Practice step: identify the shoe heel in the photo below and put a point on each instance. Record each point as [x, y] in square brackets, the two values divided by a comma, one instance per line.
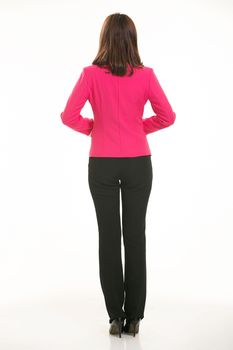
[135, 326]
[119, 327]
[134, 323]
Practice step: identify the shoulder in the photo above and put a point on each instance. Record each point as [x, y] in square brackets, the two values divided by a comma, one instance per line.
[146, 68]
[90, 69]
[146, 71]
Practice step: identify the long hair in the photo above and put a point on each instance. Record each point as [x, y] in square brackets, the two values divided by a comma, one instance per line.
[118, 48]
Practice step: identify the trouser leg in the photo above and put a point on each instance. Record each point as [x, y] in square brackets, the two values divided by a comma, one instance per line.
[105, 191]
[136, 184]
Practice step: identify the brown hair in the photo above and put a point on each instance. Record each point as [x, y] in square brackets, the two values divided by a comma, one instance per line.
[118, 47]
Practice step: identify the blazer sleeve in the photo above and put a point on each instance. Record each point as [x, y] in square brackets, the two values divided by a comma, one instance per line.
[165, 116]
[71, 115]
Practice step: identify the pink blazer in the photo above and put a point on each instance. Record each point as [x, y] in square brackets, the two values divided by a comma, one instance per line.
[118, 128]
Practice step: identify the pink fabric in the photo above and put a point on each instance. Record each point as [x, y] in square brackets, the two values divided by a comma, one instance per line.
[118, 128]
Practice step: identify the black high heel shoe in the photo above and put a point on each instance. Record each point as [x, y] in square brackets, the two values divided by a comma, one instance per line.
[132, 326]
[117, 326]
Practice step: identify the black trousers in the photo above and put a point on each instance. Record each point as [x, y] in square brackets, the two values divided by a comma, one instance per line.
[125, 295]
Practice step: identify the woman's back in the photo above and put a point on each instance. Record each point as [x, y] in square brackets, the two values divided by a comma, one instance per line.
[118, 128]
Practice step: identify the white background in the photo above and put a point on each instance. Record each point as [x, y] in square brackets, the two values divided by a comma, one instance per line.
[49, 236]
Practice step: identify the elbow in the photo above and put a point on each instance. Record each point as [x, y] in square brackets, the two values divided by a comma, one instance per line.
[62, 116]
[169, 120]
[172, 118]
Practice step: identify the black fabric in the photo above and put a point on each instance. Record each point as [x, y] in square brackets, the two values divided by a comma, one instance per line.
[128, 181]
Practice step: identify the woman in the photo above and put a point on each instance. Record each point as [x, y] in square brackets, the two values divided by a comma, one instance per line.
[118, 85]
